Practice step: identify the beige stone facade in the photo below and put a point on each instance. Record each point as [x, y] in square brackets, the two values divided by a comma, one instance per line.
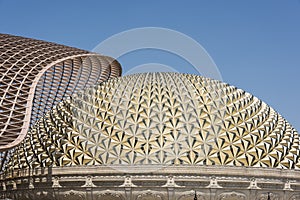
[142, 182]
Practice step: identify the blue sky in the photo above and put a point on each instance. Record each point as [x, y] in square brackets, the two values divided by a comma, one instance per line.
[255, 44]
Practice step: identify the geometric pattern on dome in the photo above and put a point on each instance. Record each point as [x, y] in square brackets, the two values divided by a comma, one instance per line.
[35, 75]
[160, 118]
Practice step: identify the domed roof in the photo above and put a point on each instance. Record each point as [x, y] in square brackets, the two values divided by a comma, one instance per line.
[161, 118]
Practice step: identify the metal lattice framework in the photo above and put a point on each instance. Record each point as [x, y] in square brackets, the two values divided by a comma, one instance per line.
[160, 118]
[35, 75]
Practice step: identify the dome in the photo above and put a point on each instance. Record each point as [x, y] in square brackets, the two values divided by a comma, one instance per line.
[160, 119]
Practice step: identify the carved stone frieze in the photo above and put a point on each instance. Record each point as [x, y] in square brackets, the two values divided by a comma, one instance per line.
[231, 196]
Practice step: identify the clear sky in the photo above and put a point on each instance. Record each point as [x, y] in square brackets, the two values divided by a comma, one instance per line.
[255, 44]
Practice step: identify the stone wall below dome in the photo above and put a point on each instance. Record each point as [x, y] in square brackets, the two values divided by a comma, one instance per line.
[169, 183]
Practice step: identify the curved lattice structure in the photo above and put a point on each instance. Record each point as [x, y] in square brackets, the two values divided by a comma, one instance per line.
[35, 75]
[160, 119]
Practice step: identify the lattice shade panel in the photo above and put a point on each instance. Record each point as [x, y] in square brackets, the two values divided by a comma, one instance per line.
[35, 75]
[160, 118]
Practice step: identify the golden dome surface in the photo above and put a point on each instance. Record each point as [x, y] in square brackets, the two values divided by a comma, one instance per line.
[164, 119]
